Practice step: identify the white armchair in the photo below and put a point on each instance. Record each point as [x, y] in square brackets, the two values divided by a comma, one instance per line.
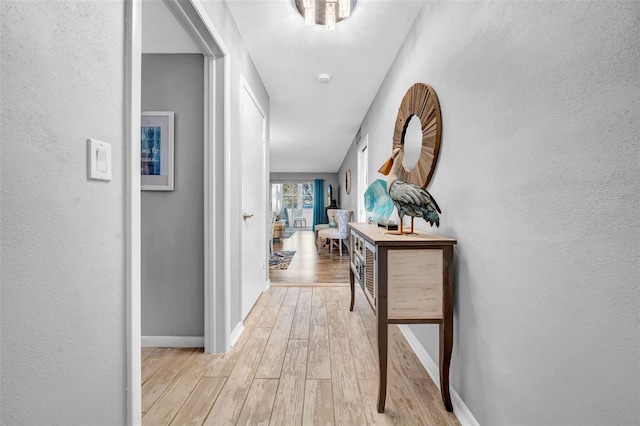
[331, 213]
[336, 235]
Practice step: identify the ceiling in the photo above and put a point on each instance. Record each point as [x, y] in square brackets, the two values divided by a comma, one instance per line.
[313, 124]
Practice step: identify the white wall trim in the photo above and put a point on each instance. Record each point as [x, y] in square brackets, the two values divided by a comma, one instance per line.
[460, 409]
[237, 332]
[172, 341]
[133, 257]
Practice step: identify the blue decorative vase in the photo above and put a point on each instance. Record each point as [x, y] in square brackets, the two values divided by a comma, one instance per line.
[377, 201]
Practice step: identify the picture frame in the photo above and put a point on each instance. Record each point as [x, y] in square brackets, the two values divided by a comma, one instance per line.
[157, 150]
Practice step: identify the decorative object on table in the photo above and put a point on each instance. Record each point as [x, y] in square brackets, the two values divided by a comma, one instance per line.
[332, 222]
[156, 150]
[280, 259]
[377, 202]
[409, 199]
[389, 225]
[406, 186]
[419, 103]
[347, 181]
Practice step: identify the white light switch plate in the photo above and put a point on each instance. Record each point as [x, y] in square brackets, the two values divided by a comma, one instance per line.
[99, 156]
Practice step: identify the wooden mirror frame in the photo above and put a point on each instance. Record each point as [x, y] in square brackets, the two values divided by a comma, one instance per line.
[420, 100]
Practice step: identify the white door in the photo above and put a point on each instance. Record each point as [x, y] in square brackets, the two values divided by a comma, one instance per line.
[254, 206]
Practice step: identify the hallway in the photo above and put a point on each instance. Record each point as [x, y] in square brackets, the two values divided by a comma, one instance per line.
[303, 358]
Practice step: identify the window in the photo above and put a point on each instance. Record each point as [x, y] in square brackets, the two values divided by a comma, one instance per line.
[295, 195]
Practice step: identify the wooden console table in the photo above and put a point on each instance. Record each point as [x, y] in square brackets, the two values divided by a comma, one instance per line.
[407, 279]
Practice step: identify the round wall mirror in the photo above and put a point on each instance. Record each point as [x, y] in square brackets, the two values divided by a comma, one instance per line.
[412, 143]
[420, 104]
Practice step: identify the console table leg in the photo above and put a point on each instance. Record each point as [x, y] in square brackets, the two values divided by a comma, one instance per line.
[382, 320]
[353, 289]
[446, 345]
[383, 337]
[446, 329]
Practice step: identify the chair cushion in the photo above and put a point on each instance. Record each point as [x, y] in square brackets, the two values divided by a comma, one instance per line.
[333, 233]
[321, 226]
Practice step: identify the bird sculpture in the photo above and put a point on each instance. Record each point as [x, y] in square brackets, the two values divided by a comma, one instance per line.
[409, 199]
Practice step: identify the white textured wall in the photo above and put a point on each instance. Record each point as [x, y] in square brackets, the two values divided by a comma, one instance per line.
[539, 180]
[63, 285]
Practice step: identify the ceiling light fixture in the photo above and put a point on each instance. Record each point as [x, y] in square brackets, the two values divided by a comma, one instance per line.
[324, 12]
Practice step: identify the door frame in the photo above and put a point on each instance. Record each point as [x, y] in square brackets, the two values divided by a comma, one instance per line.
[217, 159]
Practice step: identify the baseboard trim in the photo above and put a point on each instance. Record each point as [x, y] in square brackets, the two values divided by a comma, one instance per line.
[236, 333]
[173, 341]
[460, 409]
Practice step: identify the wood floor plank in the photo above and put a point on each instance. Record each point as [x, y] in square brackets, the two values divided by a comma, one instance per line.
[197, 406]
[277, 295]
[154, 362]
[318, 360]
[229, 403]
[402, 356]
[336, 315]
[291, 298]
[268, 316]
[274, 353]
[319, 297]
[363, 354]
[431, 409]
[347, 402]
[158, 383]
[259, 402]
[147, 354]
[318, 403]
[369, 392]
[302, 318]
[367, 315]
[163, 411]
[289, 403]
[252, 319]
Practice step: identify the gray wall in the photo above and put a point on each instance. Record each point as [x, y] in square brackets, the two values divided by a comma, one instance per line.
[62, 356]
[349, 201]
[539, 181]
[172, 221]
[329, 179]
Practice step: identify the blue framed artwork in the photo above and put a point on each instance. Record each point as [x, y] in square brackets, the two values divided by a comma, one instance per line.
[156, 151]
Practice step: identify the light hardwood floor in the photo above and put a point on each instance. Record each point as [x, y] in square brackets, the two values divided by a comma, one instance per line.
[303, 358]
[308, 266]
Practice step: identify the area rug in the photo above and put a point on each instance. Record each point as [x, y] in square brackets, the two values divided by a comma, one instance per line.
[288, 232]
[280, 259]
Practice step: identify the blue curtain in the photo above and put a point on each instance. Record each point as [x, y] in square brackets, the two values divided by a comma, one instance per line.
[318, 202]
